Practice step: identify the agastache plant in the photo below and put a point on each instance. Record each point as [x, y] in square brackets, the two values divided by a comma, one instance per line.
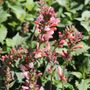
[46, 24]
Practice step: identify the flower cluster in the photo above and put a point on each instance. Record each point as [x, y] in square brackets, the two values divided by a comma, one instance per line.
[31, 76]
[70, 38]
[46, 23]
[14, 54]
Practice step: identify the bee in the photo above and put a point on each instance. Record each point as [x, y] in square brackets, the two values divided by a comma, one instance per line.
[71, 29]
[25, 27]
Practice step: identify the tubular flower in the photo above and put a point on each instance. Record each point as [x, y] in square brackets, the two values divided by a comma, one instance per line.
[46, 23]
[61, 74]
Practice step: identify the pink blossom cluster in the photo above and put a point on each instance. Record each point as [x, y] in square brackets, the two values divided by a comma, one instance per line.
[15, 54]
[31, 76]
[46, 23]
[70, 38]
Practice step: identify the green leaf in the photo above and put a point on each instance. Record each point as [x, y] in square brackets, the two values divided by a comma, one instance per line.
[11, 84]
[9, 42]
[18, 11]
[85, 20]
[59, 50]
[49, 1]
[86, 25]
[87, 1]
[80, 50]
[77, 74]
[19, 76]
[33, 44]
[29, 4]
[3, 33]
[3, 15]
[13, 24]
[85, 67]
[29, 17]
[83, 85]
[69, 86]
[62, 2]
[17, 40]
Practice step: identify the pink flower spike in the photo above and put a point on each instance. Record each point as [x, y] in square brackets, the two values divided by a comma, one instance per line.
[60, 74]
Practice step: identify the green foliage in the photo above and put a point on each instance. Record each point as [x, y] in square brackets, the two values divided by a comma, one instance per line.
[77, 74]
[3, 33]
[3, 15]
[29, 4]
[82, 50]
[15, 41]
[83, 85]
[85, 20]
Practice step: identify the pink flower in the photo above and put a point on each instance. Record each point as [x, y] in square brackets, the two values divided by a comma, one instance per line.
[54, 21]
[78, 46]
[25, 88]
[31, 65]
[61, 43]
[49, 70]
[64, 54]
[60, 74]
[47, 28]
[47, 48]
[38, 54]
[40, 18]
[3, 58]
[26, 74]
[23, 68]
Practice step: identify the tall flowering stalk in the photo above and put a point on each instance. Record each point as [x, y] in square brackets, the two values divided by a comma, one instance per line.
[46, 23]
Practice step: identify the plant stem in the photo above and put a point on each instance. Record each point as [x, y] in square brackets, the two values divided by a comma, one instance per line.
[33, 35]
[51, 83]
[62, 85]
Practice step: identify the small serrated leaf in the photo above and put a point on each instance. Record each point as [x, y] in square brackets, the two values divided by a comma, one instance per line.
[87, 1]
[3, 15]
[77, 74]
[80, 50]
[3, 33]
[84, 85]
[29, 4]
[17, 40]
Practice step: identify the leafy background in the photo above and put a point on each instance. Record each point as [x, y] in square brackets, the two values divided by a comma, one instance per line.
[15, 13]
